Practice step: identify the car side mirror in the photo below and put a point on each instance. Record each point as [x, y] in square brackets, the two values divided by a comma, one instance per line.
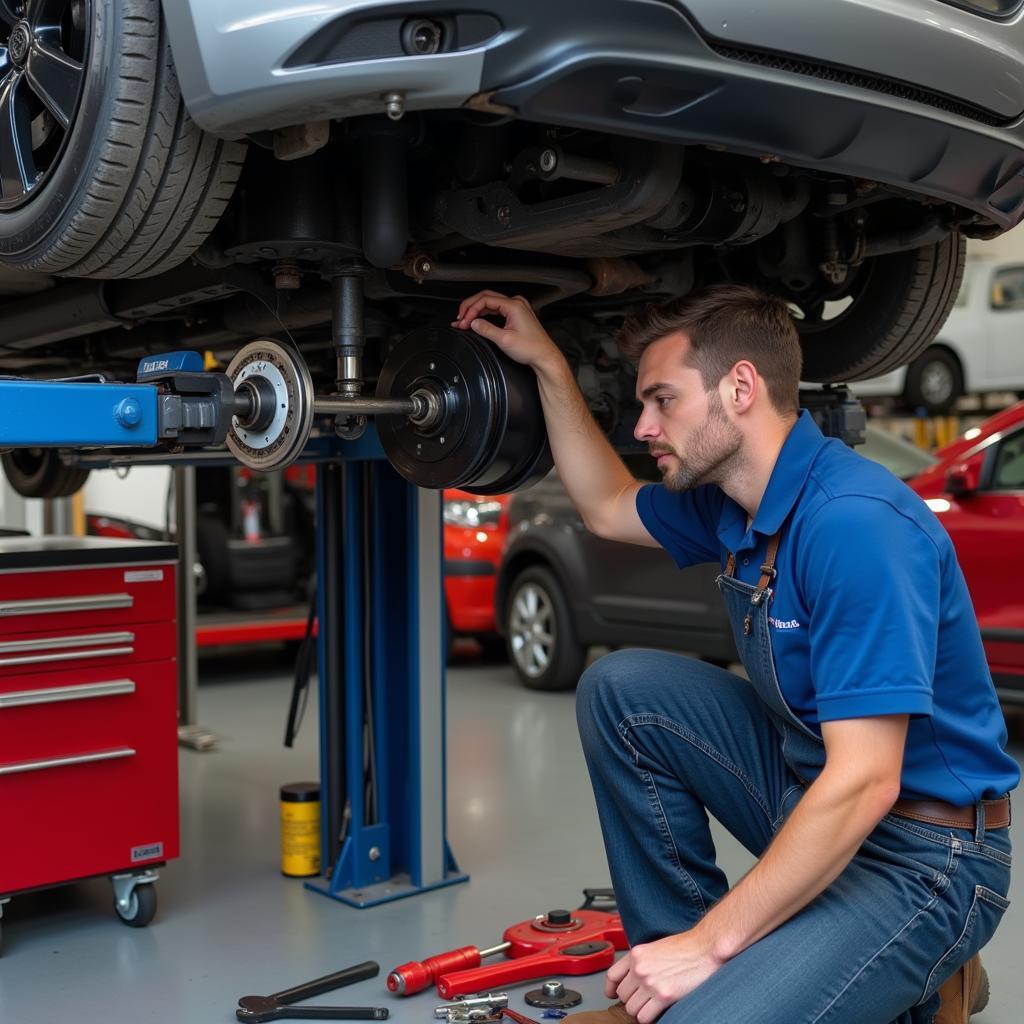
[963, 479]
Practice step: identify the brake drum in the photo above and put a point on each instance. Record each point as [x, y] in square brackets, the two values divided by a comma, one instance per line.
[486, 434]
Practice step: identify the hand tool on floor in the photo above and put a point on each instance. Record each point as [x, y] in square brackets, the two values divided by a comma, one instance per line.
[487, 1001]
[519, 1018]
[559, 942]
[255, 1009]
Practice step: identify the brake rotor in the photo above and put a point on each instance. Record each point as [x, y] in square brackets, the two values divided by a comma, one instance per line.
[487, 435]
[282, 396]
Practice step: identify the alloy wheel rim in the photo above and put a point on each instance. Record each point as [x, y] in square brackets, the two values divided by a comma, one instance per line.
[43, 50]
[532, 629]
[936, 382]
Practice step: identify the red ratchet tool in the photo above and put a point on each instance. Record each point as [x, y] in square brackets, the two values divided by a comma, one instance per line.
[559, 942]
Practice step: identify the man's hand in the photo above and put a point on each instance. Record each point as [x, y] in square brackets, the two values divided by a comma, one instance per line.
[522, 338]
[654, 975]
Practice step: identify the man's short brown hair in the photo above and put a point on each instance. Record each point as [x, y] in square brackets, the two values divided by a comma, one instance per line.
[724, 324]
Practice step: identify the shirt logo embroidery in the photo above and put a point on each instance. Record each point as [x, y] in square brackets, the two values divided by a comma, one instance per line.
[784, 623]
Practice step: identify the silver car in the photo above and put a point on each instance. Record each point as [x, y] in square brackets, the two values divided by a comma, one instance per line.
[197, 173]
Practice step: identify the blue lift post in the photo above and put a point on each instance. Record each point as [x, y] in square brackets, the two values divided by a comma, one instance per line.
[381, 665]
[380, 641]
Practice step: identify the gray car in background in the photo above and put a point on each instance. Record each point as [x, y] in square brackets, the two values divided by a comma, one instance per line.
[562, 590]
[196, 174]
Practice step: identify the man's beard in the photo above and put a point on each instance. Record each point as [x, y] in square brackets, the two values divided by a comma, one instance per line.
[711, 453]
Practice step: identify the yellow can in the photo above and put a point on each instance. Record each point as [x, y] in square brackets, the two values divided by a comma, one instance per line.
[300, 829]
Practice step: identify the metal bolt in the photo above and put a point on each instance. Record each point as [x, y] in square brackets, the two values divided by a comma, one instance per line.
[548, 161]
[423, 266]
[128, 412]
[504, 214]
[553, 989]
[431, 365]
[374, 853]
[441, 439]
[287, 276]
[394, 104]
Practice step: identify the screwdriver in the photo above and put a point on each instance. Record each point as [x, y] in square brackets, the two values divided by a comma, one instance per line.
[417, 975]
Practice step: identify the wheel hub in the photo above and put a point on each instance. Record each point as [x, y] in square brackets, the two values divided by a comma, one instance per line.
[20, 43]
[936, 382]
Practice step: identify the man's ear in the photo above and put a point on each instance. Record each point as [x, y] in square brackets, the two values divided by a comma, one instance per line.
[743, 384]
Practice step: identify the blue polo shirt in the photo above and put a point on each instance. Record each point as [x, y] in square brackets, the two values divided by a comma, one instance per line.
[870, 613]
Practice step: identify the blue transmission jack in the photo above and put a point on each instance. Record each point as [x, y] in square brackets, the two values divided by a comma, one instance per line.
[173, 403]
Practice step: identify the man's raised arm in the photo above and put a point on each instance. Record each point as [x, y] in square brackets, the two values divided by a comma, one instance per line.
[600, 486]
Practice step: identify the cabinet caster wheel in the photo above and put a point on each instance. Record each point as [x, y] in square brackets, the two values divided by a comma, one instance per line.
[141, 906]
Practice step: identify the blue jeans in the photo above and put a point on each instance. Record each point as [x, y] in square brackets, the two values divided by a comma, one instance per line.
[669, 739]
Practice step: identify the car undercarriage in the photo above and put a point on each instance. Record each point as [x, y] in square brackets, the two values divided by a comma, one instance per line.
[132, 225]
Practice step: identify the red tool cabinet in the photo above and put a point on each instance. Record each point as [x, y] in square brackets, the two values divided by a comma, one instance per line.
[88, 715]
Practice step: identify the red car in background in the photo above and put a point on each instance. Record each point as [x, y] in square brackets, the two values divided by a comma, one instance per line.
[474, 535]
[977, 490]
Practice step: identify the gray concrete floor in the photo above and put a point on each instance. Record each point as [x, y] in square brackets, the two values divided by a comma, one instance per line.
[521, 822]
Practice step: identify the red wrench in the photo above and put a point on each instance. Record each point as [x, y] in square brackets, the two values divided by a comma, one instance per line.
[559, 942]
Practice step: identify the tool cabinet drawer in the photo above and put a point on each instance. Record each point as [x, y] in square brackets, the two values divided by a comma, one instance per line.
[73, 649]
[49, 715]
[88, 773]
[82, 598]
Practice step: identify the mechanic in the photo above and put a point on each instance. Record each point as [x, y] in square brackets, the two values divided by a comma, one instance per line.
[863, 763]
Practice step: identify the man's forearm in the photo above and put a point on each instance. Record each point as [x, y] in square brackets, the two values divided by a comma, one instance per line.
[593, 474]
[812, 848]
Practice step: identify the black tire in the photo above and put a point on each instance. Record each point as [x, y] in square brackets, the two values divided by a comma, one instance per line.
[561, 668]
[900, 301]
[212, 549]
[39, 473]
[492, 647]
[935, 381]
[141, 906]
[134, 186]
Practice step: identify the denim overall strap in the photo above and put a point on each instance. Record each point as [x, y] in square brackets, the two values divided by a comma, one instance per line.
[748, 607]
[767, 575]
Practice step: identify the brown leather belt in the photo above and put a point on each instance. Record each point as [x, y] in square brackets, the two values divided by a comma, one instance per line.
[937, 812]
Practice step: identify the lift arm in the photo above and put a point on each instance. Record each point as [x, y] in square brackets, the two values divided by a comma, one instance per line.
[173, 403]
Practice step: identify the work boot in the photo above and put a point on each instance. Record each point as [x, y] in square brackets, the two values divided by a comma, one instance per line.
[615, 1014]
[962, 995]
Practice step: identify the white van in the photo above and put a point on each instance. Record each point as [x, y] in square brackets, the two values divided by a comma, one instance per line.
[980, 348]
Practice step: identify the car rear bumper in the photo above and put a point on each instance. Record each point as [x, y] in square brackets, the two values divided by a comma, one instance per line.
[644, 68]
[470, 598]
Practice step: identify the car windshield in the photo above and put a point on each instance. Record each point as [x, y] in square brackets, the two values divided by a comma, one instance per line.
[900, 457]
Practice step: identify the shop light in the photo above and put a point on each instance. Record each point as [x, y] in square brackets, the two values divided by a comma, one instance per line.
[472, 515]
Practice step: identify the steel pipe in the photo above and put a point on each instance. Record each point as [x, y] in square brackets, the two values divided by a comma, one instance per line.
[338, 405]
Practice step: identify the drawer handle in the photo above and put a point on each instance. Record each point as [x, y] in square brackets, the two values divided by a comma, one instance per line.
[44, 659]
[49, 643]
[60, 694]
[18, 767]
[53, 605]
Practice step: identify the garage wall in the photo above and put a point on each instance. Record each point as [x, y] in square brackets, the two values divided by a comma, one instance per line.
[18, 513]
[1008, 246]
